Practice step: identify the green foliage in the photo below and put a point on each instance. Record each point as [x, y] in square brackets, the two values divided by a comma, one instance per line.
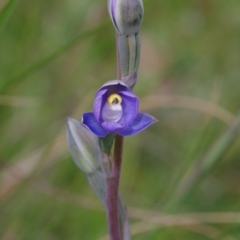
[106, 143]
[56, 54]
[6, 12]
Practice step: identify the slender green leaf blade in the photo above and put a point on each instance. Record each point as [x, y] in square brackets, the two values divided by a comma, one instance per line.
[6, 12]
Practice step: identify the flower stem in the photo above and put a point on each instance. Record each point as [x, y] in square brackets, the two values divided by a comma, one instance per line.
[112, 191]
[114, 178]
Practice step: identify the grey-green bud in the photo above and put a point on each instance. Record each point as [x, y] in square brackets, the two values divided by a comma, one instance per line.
[83, 146]
[126, 15]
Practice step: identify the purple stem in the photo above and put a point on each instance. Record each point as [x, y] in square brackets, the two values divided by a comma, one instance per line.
[113, 179]
[112, 191]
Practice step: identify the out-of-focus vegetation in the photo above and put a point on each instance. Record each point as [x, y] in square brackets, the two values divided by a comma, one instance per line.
[180, 177]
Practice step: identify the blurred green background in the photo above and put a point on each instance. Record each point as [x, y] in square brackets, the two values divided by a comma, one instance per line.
[180, 177]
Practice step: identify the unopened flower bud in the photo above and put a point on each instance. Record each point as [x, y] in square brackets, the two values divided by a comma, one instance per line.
[83, 147]
[126, 15]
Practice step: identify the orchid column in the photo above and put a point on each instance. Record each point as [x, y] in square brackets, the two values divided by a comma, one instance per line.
[115, 115]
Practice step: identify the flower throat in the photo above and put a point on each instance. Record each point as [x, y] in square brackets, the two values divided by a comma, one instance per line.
[114, 99]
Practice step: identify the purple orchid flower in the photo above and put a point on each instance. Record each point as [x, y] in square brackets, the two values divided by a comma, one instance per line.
[115, 110]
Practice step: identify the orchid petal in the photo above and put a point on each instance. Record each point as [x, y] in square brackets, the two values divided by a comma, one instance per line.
[112, 126]
[120, 85]
[90, 122]
[142, 121]
[130, 106]
[99, 102]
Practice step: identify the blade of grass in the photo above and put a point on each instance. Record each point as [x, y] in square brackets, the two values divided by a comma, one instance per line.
[6, 12]
[46, 60]
[203, 166]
